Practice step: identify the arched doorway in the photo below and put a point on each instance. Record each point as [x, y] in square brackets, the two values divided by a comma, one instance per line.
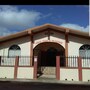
[47, 53]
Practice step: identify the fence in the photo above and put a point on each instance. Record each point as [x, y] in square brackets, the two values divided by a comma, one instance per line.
[7, 61]
[86, 62]
[27, 61]
[73, 61]
[10, 61]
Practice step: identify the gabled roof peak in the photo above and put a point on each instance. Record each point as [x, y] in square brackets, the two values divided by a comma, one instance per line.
[45, 26]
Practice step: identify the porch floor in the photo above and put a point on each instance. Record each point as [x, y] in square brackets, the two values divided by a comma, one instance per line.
[47, 77]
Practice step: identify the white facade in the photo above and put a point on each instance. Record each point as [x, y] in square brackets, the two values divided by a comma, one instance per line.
[56, 37]
[6, 72]
[74, 43]
[25, 72]
[69, 74]
[23, 43]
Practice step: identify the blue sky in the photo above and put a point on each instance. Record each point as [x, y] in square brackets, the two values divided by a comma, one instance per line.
[15, 18]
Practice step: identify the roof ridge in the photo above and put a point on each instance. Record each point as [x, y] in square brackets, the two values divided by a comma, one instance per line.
[44, 26]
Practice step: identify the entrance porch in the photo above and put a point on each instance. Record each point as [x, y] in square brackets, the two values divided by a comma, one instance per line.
[46, 63]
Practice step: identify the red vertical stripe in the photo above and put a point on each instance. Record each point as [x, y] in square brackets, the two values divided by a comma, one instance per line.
[80, 68]
[35, 67]
[58, 67]
[16, 67]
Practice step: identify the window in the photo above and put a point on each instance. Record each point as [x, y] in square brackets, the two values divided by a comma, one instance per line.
[84, 50]
[14, 50]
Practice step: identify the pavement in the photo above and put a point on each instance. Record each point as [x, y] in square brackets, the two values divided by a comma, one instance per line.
[46, 80]
[42, 84]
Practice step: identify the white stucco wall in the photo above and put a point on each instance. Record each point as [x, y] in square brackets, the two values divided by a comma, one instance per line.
[23, 42]
[85, 74]
[55, 37]
[25, 72]
[73, 46]
[75, 43]
[69, 74]
[39, 38]
[6, 72]
[59, 38]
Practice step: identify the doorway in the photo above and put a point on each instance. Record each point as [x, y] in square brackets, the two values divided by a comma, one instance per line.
[47, 53]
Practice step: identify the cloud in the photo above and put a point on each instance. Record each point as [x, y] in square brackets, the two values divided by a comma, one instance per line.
[48, 15]
[3, 31]
[12, 18]
[76, 26]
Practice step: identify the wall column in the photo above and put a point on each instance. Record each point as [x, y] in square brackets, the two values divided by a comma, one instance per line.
[31, 50]
[16, 67]
[58, 67]
[66, 47]
[80, 68]
[35, 66]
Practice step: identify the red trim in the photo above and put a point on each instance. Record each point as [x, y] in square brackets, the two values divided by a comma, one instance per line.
[16, 67]
[69, 67]
[31, 59]
[66, 48]
[13, 66]
[45, 30]
[58, 67]
[31, 50]
[80, 36]
[6, 66]
[80, 68]
[25, 66]
[61, 32]
[85, 68]
[35, 67]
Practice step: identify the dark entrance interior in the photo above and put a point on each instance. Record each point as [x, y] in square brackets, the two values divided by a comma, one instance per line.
[47, 53]
[48, 58]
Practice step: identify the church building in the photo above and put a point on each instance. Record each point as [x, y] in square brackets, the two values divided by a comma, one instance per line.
[46, 51]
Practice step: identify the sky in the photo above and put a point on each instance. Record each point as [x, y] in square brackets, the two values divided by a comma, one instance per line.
[16, 18]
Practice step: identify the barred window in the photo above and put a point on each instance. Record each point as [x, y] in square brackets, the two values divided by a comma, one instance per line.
[14, 50]
[84, 50]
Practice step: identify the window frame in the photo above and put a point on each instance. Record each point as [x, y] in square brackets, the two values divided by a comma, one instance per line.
[14, 48]
[84, 48]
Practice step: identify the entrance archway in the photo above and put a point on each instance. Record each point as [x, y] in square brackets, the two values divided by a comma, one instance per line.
[47, 53]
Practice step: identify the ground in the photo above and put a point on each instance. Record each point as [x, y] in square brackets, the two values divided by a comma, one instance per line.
[8, 85]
